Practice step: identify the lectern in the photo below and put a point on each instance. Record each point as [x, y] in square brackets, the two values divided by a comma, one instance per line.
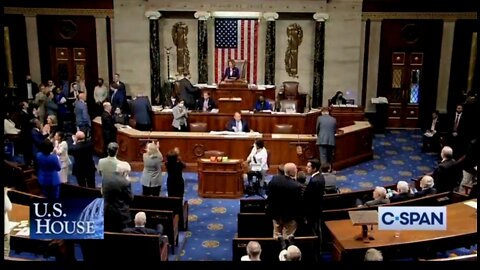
[364, 218]
[220, 179]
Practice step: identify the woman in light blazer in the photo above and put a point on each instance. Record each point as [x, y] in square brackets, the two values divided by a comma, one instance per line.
[61, 149]
[257, 160]
[152, 170]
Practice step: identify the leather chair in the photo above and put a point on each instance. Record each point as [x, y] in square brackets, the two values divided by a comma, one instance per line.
[290, 90]
[213, 153]
[283, 129]
[198, 127]
[241, 65]
[288, 104]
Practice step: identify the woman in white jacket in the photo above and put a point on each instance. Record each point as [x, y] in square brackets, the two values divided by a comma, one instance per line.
[61, 149]
[257, 160]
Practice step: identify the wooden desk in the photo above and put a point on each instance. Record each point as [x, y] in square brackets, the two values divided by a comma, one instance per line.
[461, 231]
[220, 179]
[302, 123]
[234, 90]
[353, 146]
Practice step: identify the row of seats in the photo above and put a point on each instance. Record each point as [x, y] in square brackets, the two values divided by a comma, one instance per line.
[278, 128]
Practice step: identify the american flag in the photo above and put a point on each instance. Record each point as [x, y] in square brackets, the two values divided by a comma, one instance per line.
[236, 39]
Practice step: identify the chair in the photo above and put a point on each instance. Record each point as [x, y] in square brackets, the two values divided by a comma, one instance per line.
[241, 65]
[213, 153]
[198, 127]
[283, 129]
[288, 105]
[290, 90]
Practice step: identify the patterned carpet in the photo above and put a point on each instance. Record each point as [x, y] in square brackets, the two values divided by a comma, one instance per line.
[212, 222]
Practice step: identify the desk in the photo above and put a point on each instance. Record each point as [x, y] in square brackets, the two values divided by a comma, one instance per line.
[239, 90]
[220, 179]
[354, 145]
[303, 123]
[461, 231]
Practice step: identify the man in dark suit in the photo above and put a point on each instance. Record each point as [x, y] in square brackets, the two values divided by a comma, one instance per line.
[457, 127]
[326, 128]
[206, 104]
[83, 166]
[28, 89]
[231, 72]
[140, 221]
[448, 174]
[188, 92]
[313, 200]
[142, 112]
[237, 124]
[25, 133]
[172, 101]
[402, 193]
[284, 203]
[117, 193]
[431, 137]
[108, 126]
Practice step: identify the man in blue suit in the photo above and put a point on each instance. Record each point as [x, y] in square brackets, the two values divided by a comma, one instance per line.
[118, 94]
[326, 127]
[231, 72]
[142, 111]
[237, 124]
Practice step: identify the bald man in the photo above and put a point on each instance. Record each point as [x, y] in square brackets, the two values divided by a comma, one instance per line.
[82, 118]
[83, 165]
[284, 203]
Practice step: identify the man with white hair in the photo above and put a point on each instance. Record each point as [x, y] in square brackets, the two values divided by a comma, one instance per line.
[292, 253]
[140, 221]
[402, 193]
[373, 255]
[426, 183]
[284, 203]
[83, 165]
[253, 252]
[379, 197]
[448, 174]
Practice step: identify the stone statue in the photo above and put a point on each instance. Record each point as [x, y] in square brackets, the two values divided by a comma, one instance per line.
[179, 36]
[294, 39]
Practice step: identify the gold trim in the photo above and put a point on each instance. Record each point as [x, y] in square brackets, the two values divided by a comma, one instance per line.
[59, 11]
[378, 16]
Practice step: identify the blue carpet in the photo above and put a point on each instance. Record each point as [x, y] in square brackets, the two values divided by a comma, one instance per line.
[213, 223]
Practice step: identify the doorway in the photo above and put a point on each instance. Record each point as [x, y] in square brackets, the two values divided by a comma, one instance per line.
[405, 89]
[67, 63]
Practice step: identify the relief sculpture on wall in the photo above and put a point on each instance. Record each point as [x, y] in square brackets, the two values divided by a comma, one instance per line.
[179, 36]
[294, 38]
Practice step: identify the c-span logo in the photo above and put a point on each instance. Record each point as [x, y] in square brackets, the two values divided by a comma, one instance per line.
[430, 218]
[67, 219]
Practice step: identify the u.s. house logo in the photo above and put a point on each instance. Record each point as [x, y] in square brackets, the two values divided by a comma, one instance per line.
[67, 219]
[412, 218]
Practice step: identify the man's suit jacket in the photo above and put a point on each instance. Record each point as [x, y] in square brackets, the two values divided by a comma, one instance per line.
[462, 124]
[118, 99]
[326, 128]
[82, 153]
[284, 198]
[425, 192]
[447, 175]
[24, 90]
[140, 230]
[117, 193]
[108, 127]
[233, 123]
[401, 197]
[142, 110]
[211, 104]
[313, 196]
[169, 103]
[235, 73]
[188, 92]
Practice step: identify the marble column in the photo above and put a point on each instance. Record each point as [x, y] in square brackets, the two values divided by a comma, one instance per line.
[32, 44]
[202, 17]
[445, 65]
[156, 96]
[373, 61]
[270, 17]
[318, 60]
[102, 47]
